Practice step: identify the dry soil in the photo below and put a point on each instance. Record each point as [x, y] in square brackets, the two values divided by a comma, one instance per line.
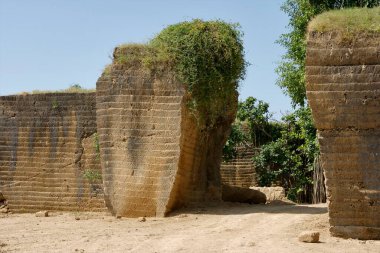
[222, 228]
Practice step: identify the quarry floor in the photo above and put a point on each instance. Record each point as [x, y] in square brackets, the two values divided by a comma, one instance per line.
[223, 228]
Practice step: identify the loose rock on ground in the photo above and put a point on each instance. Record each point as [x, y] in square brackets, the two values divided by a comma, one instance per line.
[309, 236]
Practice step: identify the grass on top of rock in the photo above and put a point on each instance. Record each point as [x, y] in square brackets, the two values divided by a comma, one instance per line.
[76, 88]
[348, 22]
[207, 56]
[136, 54]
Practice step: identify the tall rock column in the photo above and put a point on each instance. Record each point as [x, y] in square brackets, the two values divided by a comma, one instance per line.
[154, 156]
[343, 90]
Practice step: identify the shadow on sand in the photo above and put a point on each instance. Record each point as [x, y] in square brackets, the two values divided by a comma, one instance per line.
[228, 208]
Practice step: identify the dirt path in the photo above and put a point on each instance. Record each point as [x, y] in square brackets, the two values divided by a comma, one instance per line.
[227, 228]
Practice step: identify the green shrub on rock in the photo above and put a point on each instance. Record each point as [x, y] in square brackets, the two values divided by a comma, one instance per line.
[207, 56]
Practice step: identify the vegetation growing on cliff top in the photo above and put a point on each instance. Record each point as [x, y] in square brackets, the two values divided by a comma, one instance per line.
[207, 56]
[75, 88]
[204, 52]
[348, 21]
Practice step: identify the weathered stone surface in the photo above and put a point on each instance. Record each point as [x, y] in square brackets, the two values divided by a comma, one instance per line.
[4, 209]
[141, 219]
[154, 156]
[42, 214]
[271, 193]
[357, 232]
[242, 195]
[309, 236]
[46, 143]
[240, 170]
[343, 90]
[2, 199]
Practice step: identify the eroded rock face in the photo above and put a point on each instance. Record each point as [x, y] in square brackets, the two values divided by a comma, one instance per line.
[343, 90]
[154, 156]
[240, 170]
[46, 145]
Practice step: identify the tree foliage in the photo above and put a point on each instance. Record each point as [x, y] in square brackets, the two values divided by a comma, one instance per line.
[207, 56]
[237, 137]
[256, 113]
[291, 69]
[204, 52]
[287, 148]
[259, 128]
[288, 160]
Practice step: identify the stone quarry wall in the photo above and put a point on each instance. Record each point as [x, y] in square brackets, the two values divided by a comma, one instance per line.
[154, 157]
[343, 90]
[46, 147]
[240, 170]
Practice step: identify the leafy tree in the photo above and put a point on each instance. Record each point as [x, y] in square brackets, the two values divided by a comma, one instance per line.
[287, 148]
[256, 114]
[76, 86]
[291, 69]
[261, 129]
[336, 4]
[237, 137]
[288, 161]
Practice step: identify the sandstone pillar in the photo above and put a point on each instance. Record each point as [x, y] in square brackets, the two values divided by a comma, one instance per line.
[343, 90]
[154, 155]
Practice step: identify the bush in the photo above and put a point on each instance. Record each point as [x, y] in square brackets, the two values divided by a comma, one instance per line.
[260, 129]
[207, 56]
[92, 175]
[288, 161]
[205, 53]
[236, 138]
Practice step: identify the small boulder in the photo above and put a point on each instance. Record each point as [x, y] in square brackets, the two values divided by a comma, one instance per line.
[4, 209]
[141, 219]
[42, 214]
[272, 193]
[309, 236]
[242, 195]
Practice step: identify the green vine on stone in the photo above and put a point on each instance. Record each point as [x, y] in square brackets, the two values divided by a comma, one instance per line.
[92, 175]
[207, 56]
[55, 104]
[96, 145]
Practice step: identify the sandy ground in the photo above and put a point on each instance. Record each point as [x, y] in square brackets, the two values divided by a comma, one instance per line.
[224, 228]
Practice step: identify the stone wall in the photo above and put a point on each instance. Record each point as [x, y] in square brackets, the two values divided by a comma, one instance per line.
[240, 170]
[154, 156]
[47, 144]
[343, 90]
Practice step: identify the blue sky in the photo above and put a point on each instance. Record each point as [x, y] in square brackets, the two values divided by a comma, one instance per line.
[51, 44]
